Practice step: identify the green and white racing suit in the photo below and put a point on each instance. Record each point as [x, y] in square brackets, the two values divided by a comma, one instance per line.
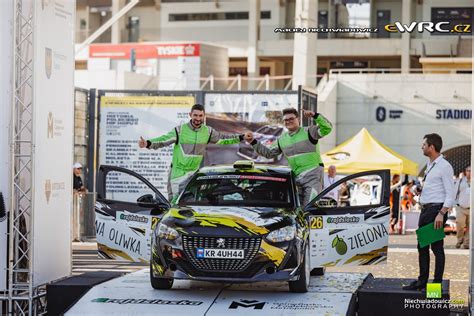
[301, 149]
[188, 152]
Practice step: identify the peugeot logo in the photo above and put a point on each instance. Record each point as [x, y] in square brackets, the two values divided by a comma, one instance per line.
[221, 243]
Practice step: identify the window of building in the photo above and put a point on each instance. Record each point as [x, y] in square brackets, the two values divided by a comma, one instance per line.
[212, 16]
[83, 24]
[133, 29]
[323, 22]
[383, 18]
[234, 71]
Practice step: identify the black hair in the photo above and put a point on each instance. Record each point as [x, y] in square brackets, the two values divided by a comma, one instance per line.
[435, 140]
[290, 111]
[198, 107]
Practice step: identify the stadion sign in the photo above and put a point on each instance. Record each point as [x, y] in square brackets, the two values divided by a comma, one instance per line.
[144, 51]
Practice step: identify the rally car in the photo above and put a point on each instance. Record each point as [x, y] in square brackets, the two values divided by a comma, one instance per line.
[238, 223]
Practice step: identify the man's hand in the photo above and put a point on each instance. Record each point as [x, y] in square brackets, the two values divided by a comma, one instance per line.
[307, 113]
[248, 137]
[142, 142]
[438, 223]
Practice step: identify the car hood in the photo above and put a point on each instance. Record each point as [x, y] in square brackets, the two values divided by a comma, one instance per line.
[230, 221]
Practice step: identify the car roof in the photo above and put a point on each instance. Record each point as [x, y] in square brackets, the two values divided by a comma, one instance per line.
[259, 168]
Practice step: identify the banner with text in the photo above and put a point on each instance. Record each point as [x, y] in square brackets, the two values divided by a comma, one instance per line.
[259, 113]
[53, 119]
[124, 119]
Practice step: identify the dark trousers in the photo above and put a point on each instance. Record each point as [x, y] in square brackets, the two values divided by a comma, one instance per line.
[428, 215]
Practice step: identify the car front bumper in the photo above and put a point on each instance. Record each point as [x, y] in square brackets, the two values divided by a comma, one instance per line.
[169, 260]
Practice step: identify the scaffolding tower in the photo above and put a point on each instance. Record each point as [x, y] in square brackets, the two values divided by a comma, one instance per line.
[22, 297]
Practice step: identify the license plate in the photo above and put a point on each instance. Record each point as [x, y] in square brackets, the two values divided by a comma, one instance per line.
[212, 253]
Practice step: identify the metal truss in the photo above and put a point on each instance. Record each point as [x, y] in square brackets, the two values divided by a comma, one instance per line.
[22, 298]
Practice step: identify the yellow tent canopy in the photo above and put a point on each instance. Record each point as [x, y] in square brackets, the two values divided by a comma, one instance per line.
[363, 152]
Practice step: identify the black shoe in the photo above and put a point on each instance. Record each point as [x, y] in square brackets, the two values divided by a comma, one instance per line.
[414, 286]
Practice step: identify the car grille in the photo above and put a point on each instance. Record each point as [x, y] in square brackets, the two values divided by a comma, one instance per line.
[250, 245]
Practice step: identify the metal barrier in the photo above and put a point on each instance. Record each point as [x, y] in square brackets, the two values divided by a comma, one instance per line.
[83, 217]
[435, 71]
[239, 83]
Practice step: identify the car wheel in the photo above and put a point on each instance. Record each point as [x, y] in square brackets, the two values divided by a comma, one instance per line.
[160, 283]
[302, 284]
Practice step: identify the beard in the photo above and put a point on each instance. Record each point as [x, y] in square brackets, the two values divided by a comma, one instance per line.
[196, 123]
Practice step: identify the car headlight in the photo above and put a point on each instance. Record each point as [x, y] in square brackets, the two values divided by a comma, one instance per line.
[283, 234]
[167, 232]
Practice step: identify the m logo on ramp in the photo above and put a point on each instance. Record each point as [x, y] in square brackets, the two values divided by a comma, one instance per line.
[246, 304]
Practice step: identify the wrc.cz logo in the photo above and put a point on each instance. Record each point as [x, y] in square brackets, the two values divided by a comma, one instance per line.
[247, 303]
[428, 26]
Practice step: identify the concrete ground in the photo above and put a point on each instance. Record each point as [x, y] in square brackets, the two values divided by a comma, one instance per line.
[402, 263]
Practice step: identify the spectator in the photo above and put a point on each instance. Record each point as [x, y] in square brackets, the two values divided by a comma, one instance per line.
[408, 201]
[77, 185]
[463, 208]
[329, 179]
[394, 201]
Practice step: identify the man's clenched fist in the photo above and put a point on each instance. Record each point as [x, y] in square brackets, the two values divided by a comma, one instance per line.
[142, 142]
[248, 137]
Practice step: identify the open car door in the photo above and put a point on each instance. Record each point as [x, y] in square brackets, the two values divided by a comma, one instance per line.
[127, 209]
[349, 221]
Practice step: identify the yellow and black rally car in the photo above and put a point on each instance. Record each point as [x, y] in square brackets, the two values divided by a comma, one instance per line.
[242, 223]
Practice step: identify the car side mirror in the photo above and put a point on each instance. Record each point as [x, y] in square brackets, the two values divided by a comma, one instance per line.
[146, 199]
[326, 202]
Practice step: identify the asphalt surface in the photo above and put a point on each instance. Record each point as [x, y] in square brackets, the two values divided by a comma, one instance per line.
[402, 263]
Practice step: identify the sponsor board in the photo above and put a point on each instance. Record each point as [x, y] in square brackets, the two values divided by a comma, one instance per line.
[53, 137]
[241, 112]
[123, 121]
[348, 240]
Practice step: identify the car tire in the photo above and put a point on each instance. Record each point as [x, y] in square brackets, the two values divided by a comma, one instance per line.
[302, 284]
[160, 283]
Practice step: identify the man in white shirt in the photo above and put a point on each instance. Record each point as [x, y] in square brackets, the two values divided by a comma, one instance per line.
[329, 179]
[463, 208]
[436, 199]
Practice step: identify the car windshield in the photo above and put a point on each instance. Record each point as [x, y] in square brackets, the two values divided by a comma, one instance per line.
[238, 190]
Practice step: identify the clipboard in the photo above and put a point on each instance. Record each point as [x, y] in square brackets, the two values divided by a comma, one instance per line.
[426, 235]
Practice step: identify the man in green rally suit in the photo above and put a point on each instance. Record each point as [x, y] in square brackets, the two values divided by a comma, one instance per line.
[301, 149]
[190, 141]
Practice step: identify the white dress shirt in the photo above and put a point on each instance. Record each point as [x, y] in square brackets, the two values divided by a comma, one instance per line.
[328, 181]
[463, 193]
[438, 185]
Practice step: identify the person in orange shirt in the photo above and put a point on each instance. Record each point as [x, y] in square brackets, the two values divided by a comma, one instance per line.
[408, 201]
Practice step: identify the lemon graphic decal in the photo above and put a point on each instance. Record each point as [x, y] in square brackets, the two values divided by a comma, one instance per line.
[340, 245]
